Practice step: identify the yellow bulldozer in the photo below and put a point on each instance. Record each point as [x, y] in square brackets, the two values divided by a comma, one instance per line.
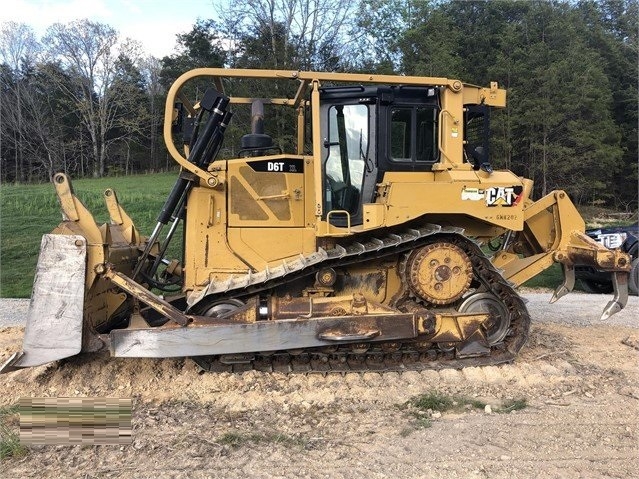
[359, 243]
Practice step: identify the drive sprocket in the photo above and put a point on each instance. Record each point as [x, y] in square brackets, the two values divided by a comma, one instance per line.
[439, 273]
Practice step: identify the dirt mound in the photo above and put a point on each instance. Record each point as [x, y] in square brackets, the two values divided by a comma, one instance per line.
[579, 386]
[548, 362]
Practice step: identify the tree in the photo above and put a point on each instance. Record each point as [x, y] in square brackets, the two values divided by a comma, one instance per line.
[610, 27]
[289, 34]
[131, 120]
[432, 47]
[380, 25]
[43, 139]
[88, 52]
[151, 69]
[199, 48]
[18, 47]
[566, 134]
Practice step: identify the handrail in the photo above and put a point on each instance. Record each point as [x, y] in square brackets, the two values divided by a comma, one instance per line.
[328, 221]
[304, 77]
[440, 139]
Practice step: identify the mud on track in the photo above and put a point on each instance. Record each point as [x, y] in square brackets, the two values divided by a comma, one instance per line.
[579, 378]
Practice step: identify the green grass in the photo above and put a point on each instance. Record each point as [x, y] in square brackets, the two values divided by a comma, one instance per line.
[29, 211]
[420, 408]
[435, 401]
[423, 422]
[9, 440]
[432, 400]
[513, 405]
[550, 278]
[238, 439]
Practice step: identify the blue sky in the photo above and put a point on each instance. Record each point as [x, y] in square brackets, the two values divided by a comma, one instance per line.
[152, 22]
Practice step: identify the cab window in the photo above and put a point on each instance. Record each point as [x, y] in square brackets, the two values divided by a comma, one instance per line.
[413, 134]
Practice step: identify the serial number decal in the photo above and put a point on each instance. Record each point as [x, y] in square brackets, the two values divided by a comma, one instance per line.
[278, 166]
[506, 217]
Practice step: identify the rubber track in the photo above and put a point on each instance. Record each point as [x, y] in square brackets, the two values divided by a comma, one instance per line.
[342, 359]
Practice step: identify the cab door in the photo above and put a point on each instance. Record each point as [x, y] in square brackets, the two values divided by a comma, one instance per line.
[348, 167]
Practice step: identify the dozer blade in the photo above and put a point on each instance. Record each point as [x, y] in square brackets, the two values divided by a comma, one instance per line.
[54, 324]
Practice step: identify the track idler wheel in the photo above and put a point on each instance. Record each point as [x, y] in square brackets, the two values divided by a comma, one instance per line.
[498, 324]
[439, 273]
[220, 309]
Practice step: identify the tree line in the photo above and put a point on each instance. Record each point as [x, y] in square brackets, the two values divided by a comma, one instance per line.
[86, 101]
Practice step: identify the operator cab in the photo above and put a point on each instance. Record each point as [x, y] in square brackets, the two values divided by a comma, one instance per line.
[367, 131]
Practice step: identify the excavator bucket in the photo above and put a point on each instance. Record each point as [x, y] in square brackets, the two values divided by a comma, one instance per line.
[54, 329]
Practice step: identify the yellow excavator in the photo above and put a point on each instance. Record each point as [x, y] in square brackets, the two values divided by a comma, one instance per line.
[356, 239]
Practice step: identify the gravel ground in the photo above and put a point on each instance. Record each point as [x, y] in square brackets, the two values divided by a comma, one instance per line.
[577, 376]
[570, 309]
[13, 312]
[579, 384]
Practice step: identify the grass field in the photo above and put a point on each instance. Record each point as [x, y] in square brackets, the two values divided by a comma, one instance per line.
[29, 211]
